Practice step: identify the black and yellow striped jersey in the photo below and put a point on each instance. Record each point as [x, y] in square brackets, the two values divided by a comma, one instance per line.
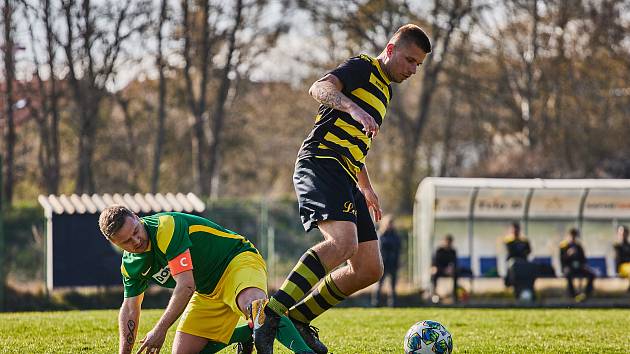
[336, 134]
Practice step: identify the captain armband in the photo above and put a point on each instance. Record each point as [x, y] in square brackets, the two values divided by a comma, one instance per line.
[181, 263]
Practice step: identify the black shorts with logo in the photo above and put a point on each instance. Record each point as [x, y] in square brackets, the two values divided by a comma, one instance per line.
[326, 192]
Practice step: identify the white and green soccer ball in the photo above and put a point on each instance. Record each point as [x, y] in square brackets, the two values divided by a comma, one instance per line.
[428, 337]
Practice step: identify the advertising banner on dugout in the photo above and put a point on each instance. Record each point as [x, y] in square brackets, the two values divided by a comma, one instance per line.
[503, 203]
[607, 204]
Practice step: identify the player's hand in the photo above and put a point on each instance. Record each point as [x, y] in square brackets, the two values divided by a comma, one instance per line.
[153, 341]
[372, 201]
[370, 127]
[450, 269]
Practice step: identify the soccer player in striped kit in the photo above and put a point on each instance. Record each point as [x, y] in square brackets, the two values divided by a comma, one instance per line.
[334, 190]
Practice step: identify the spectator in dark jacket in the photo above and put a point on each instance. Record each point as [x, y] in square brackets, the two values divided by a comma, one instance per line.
[521, 274]
[444, 264]
[390, 245]
[622, 253]
[516, 244]
[574, 265]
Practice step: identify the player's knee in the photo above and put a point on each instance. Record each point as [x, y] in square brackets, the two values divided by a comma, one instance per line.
[376, 273]
[187, 344]
[369, 273]
[372, 276]
[346, 247]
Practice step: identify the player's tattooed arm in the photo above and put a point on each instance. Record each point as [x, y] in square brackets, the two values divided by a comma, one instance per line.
[327, 94]
[327, 91]
[128, 320]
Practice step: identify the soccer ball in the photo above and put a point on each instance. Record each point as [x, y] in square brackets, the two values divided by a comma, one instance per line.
[428, 337]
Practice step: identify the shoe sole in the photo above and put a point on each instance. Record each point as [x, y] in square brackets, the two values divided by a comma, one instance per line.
[257, 313]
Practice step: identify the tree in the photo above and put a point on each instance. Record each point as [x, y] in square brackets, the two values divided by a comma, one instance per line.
[92, 53]
[197, 103]
[159, 137]
[523, 75]
[455, 82]
[233, 45]
[217, 119]
[45, 105]
[9, 72]
[447, 19]
[131, 140]
[249, 38]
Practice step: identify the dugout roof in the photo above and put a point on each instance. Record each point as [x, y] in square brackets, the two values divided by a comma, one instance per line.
[138, 203]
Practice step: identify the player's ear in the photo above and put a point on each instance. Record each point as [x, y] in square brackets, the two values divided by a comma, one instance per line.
[389, 49]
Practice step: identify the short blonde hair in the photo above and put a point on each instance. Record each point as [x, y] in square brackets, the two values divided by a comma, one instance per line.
[411, 33]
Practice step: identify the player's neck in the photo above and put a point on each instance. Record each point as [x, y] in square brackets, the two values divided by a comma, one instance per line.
[382, 61]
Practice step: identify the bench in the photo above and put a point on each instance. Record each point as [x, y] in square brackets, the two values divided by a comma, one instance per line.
[598, 264]
[488, 267]
[545, 268]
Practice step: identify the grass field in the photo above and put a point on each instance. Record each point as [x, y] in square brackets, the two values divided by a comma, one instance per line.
[355, 330]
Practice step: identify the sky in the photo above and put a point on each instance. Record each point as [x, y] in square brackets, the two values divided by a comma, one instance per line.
[279, 63]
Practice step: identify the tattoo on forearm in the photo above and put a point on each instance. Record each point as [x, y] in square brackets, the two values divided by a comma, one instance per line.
[327, 95]
[191, 290]
[131, 325]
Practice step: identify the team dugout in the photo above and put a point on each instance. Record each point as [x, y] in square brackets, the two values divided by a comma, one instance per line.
[76, 252]
[478, 212]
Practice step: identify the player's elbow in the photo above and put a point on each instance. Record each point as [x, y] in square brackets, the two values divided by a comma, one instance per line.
[188, 288]
[327, 83]
[313, 89]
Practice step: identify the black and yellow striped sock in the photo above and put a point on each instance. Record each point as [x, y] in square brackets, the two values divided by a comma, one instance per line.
[319, 300]
[306, 273]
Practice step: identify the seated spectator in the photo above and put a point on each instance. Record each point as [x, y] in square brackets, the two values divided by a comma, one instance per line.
[521, 274]
[622, 253]
[573, 262]
[516, 244]
[444, 264]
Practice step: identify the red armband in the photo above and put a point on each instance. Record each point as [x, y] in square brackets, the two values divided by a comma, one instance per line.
[181, 263]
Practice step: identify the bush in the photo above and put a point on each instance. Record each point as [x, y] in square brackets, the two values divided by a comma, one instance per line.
[25, 242]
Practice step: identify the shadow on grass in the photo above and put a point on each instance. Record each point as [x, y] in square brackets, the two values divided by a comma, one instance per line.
[78, 299]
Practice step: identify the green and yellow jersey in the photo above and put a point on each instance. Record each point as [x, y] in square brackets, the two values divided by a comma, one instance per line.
[212, 247]
[336, 134]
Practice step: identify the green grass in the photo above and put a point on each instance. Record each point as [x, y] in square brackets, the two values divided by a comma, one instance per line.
[354, 330]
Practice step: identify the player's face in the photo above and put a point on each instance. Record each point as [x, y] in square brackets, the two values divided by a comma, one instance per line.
[404, 60]
[132, 237]
[622, 234]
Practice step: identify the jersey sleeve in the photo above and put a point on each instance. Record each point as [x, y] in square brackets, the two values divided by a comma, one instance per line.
[172, 236]
[353, 73]
[134, 287]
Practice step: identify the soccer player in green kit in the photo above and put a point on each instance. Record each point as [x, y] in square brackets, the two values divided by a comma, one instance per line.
[216, 275]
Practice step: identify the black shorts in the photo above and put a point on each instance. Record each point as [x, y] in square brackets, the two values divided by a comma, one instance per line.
[326, 192]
